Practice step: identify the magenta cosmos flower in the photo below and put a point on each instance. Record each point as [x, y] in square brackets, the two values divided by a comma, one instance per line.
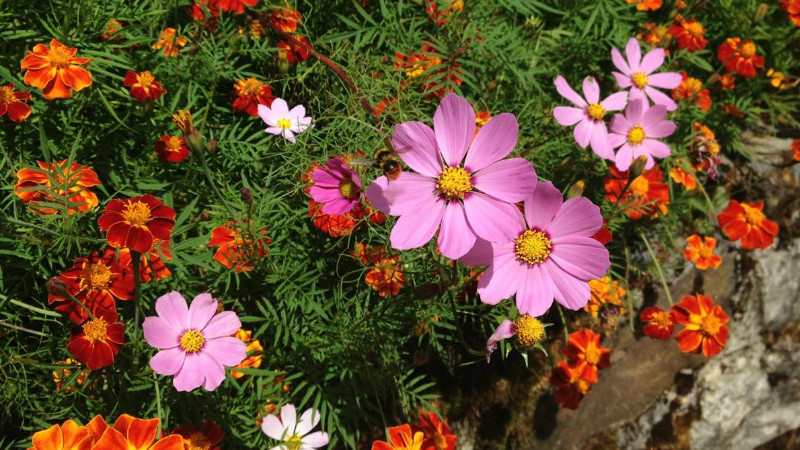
[553, 256]
[283, 121]
[195, 343]
[637, 73]
[337, 187]
[294, 434]
[464, 188]
[589, 114]
[634, 134]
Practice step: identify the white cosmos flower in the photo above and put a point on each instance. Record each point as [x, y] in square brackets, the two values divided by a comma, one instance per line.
[294, 434]
[283, 121]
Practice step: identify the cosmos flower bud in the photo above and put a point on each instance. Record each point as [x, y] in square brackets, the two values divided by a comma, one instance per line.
[638, 166]
[761, 12]
[576, 189]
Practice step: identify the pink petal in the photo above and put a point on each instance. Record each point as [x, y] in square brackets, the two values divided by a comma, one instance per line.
[571, 292]
[620, 124]
[652, 116]
[481, 254]
[637, 94]
[289, 417]
[657, 148]
[228, 351]
[289, 136]
[322, 194]
[160, 333]
[201, 310]
[582, 257]
[616, 101]
[652, 61]
[266, 114]
[494, 141]
[583, 133]
[326, 178]
[415, 144]
[297, 112]
[339, 206]
[577, 216]
[316, 439]
[660, 129]
[615, 140]
[454, 126]
[279, 107]
[620, 63]
[624, 158]
[406, 193]
[172, 308]
[272, 427]
[567, 92]
[214, 372]
[168, 362]
[624, 81]
[455, 235]
[223, 324]
[503, 277]
[510, 180]
[415, 228]
[635, 110]
[308, 421]
[600, 143]
[535, 296]
[191, 375]
[591, 90]
[660, 98]
[541, 207]
[504, 331]
[376, 194]
[634, 54]
[665, 80]
[492, 219]
[568, 116]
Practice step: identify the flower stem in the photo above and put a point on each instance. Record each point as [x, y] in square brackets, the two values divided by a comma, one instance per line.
[658, 268]
[563, 323]
[137, 283]
[460, 332]
[81, 305]
[158, 403]
[18, 328]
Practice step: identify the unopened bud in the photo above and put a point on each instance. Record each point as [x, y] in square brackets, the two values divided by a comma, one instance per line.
[57, 287]
[576, 190]
[638, 167]
[714, 78]
[204, 216]
[283, 61]
[385, 59]
[247, 195]
[212, 146]
[761, 12]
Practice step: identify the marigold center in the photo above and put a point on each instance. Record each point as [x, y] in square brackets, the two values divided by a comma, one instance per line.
[293, 442]
[439, 442]
[532, 247]
[661, 319]
[197, 441]
[349, 189]
[639, 80]
[639, 186]
[96, 330]
[251, 86]
[174, 144]
[696, 29]
[710, 325]
[753, 216]
[284, 124]
[636, 135]
[146, 79]
[748, 50]
[529, 330]
[192, 341]
[706, 252]
[136, 214]
[592, 354]
[453, 182]
[59, 57]
[97, 275]
[7, 95]
[583, 385]
[596, 111]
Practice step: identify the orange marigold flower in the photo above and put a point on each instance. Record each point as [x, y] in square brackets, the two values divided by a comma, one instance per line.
[144, 85]
[236, 247]
[701, 251]
[680, 4]
[730, 108]
[603, 235]
[96, 342]
[386, 276]
[779, 80]
[683, 177]
[727, 81]
[436, 434]
[137, 222]
[653, 34]
[286, 19]
[294, 52]
[481, 119]
[657, 323]
[151, 264]
[385, 104]
[11, 103]
[442, 17]
[67, 436]
[338, 225]
[692, 88]
[796, 149]
[237, 6]
[55, 70]
[112, 27]
[61, 375]
[572, 384]
[604, 292]
[646, 5]
[747, 222]
[647, 195]
[56, 184]
[96, 282]
[254, 351]
[400, 438]
[740, 57]
[249, 93]
[194, 438]
[171, 148]
[131, 433]
[583, 349]
[704, 325]
[792, 8]
[170, 42]
[688, 33]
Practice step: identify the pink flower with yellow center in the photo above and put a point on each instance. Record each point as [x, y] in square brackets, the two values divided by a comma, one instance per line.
[283, 121]
[636, 131]
[336, 186]
[637, 74]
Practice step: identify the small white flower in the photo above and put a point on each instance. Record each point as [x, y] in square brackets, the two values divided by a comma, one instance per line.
[292, 433]
[283, 121]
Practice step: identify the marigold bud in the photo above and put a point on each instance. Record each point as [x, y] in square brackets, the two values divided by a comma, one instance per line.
[247, 195]
[204, 216]
[638, 166]
[576, 189]
[57, 286]
[212, 146]
[761, 12]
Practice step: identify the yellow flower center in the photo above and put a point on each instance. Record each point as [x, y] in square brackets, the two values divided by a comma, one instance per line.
[192, 341]
[636, 135]
[97, 275]
[696, 29]
[710, 325]
[293, 442]
[7, 95]
[661, 319]
[753, 216]
[453, 182]
[197, 441]
[748, 50]
[96, 330]
[529, 330]
[349, 189]
[284, 124]
[174, 144]
[706, 252]
[596, 111]
[639, 186]
[592, 354]
[136, 214]
[583, 385]
[712, 147]
[639, 79]
[439, 442]
[532, 247]
[250, 86]
[146, 79]
[59, 57]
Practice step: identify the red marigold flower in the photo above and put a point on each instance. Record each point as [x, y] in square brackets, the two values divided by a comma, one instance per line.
[135, 223]
[96, 282]
[55, 70]
[647, 195]
[400, 438]
[54, 185]
[236, 247]
[688, 33]
[67, 436]
[747, 222]
[286, 19]
[603, 235]
[169, 42]
[294, 53]
[730, 108]
[237, 6]
[657, 323]
[740, 57]
[442, 17]
[61, 375]
[194, 438]
[112, 27]
[151, 264]
[144, 86]
[572, 384]
[96, 342]
[386, 276]
[384, 105]
[704, 325]
[11, 103]
[254, 353]
[692, 88]
[646, 5]
[653, 34]
[131, 433]
[683, 177]
[583, 349]
[727, 81]
[436, 434]
[171, 148]
[701, 251]
[604, 292]
[250, 93]
[792, 8]
[796, 149]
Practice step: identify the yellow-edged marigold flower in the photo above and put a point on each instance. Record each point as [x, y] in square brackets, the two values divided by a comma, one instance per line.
[46, 188]
[683, 177]
[55, 70]
[195, 438]
[692, 89]
[137, 223]
[286, 19]
[171, 148]
[144, 85]
[701, 252]
[740, 57]
[249, 93]
[727, 81]
[236, 247]
[689, 34]
[60, 376]
[11, 102]
[653, 34]
[67, 436]
[746, 221]
[386, 276]
[254, 353]
[112, 27]
[704, 325]
[792, 8]
[604, 292]
[170, 42]
[646, 5]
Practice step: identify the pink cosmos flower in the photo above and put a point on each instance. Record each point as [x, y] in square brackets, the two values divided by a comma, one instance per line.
[553, 256]
[195, 343]
[504, 331]
[589, 114]
[634, 131]
[636, 74]
[283, 121]
[294, 434]
[337, 187]
[464, 188]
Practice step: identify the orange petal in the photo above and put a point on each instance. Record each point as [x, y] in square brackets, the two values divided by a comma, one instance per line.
[34, 61]
[76, 437]
[76, 77]
[111, 440]
[56, 88]
[689, 341]
[171, 442]
[97, 426]
[49, 439]
[142, 433]
[18, 111]
[39, 78]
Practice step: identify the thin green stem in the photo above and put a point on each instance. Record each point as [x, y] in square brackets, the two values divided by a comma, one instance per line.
[18, 328]
[563, 323]
[213, 184]
[29, 225]
[460, 332]
[81, 305]
[137, 283]
[158, 403]
[658, 268]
